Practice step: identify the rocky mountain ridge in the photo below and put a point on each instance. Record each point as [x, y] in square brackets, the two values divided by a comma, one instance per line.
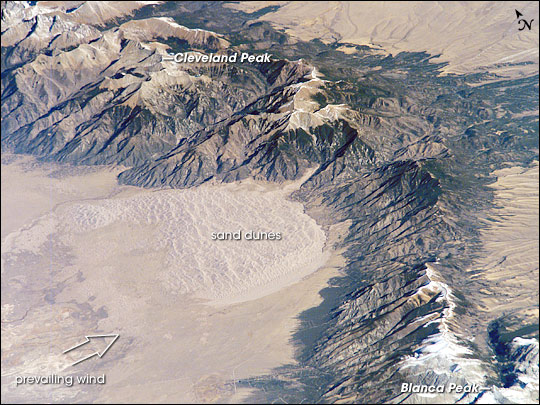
[401, 159]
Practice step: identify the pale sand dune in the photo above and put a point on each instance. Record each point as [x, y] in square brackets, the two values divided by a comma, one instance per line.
[87, 276]
[182, 222]
[471, 36]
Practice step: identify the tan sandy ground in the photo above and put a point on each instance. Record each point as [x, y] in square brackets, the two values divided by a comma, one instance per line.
[471, 36]
[172, 348]
[28, 194]
[511, 248]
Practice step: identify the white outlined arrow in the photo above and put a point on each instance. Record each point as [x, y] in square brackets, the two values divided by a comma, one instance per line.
[88, 338]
